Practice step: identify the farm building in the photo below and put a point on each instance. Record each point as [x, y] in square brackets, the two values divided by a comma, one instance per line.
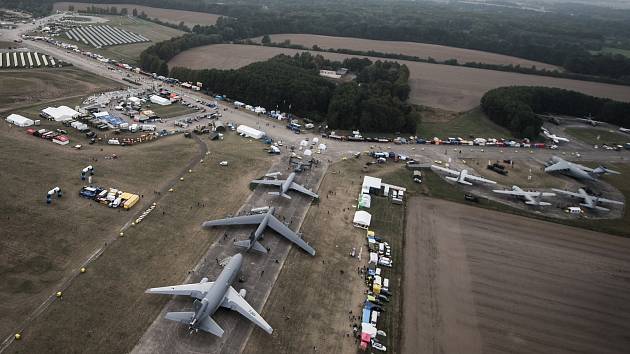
[250, 132]
[160, 100]
[60, 113]
[362, 219]
[19, 120]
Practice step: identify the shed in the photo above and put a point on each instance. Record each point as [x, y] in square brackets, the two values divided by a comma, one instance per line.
[160, 100]
[19, 120]
[250, 132]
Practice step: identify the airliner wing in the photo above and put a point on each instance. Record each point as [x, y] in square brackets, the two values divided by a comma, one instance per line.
[269, 182]
[290, 235]
[237, 220]
[235, 302]
[303, 190]
[195, 290]
[558, 166]
[447, 170]
[479, 179]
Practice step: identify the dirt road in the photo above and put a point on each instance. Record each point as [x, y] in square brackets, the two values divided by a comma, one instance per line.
[482, 281]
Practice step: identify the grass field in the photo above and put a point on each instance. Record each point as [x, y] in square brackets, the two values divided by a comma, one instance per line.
[421, 50]
[190, 18]
[106, 309]
[43, 244]
[442, 124]
[129, 53]
[301, 306]
[434, 186]
[438, 86]
[598, 136]
[26, 88]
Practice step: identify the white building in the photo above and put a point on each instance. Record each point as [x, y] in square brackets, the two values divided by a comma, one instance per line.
[60, 113]
[19, 120]
[362, 219]
[160, 100]
[250, 132]
[330, 74]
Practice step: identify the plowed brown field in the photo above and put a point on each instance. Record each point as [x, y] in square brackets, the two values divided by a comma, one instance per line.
[440, 86]
[479, 281]
[421, 50]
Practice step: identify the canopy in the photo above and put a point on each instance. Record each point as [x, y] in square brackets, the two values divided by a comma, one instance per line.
[60, 113]
[362, 219]
[160, 100]
[19, 120]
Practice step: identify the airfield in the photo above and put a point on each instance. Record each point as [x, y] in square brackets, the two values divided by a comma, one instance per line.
[489, 277]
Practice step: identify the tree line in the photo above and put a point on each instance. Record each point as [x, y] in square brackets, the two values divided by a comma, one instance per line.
[516, 107]
[570, 36]
[374, 102]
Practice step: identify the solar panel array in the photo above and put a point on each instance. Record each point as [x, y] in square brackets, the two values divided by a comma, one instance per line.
[11, 60]
[104, 36]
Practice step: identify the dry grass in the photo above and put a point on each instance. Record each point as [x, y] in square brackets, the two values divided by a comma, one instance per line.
[106, 310]
[421, 50]
[24, 87]
[42, 244]
[440, 86]
[190, 18]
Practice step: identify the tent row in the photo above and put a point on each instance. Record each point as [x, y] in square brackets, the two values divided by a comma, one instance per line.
[104, 36]
[25, 60]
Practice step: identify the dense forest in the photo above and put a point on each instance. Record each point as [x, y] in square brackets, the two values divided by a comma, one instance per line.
[374, 102]
[568, 35]
[515, 107]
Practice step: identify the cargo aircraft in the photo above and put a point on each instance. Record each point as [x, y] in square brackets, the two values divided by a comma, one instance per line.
[557, 164]
[285, 186]
[589, 201]
[263, 221]
[530, 197]
[462, 176]
[209, 296]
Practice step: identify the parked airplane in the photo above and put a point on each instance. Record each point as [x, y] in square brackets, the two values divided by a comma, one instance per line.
[589, 201]
[575, 170]
[462, 176]
[263, 221]
[530, 198]
[553, 137]
[209, 296]
[285, 186]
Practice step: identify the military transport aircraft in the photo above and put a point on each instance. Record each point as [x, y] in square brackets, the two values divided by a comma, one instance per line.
[209, 296]
[589, 201]
[557, 164]
[285, 186]
[462, 176]
[530, 197]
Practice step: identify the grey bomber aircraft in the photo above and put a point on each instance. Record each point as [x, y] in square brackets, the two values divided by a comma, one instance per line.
[209, 296]
[263, 221]
[589, 201]
[529, 197]
[575, 170]
[285, 186]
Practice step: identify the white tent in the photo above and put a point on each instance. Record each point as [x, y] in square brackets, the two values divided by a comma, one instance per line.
[362, 219]
[250, 132]
[365, 201]
[134, 100]
[19, 120]
[160, 100]
[60, 113]
[322, 147]
[308, 152]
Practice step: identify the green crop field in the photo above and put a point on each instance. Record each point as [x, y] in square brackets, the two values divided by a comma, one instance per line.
[597, 136]
[442, 124]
